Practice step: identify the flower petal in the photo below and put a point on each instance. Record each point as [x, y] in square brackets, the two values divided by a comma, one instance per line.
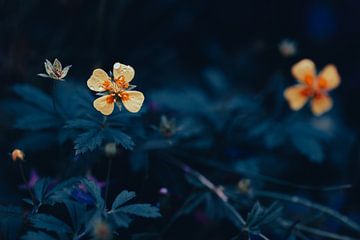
[134, 102]
[329, 77]
[304, 71]
[123, 70]
[104, 105]
[296, 97]
[57, 65]
[97, 80]
[65, 71]
[321, 104]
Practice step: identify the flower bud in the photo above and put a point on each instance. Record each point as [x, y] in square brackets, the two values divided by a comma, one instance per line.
[110, 149]
[17, 154]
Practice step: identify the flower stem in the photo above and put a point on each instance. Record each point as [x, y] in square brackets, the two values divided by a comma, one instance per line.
[108, 179]
[25, 182]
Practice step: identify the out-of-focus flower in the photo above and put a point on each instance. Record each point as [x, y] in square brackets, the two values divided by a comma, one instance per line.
[82, 195]
[164, 191]
[102, 231]
[167, 127]
[312, 86]
[244, 186]
[110, 149]
[17, 155]
[114, 89]
[34, 177]
[100, 184]
[287, 48]
[55, 70]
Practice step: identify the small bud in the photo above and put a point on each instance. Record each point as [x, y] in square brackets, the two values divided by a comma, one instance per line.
[244, 186]
[17, 154]
[102, 231]
[110, 149]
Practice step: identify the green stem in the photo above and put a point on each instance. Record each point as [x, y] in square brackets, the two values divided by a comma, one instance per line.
[108, 179]
[22, 172]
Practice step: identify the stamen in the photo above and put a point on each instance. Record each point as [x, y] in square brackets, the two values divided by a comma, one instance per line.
[309, 79]
[111, 99]
[124, 96]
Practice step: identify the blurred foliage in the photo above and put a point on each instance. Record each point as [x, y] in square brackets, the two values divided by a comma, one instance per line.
[215, 149]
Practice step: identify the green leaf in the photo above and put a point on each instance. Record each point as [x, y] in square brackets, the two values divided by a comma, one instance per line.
[122, 198]
[140, 209]
[49, 223]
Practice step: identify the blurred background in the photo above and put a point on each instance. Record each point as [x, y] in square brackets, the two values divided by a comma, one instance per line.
[220, 48]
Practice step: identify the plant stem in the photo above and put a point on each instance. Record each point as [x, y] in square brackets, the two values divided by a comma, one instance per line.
[25, 182]
[302, 201]
[314, 231]
[259, 177]
[108, 179]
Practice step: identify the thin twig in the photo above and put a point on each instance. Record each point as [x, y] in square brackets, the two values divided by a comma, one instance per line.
[302, 201]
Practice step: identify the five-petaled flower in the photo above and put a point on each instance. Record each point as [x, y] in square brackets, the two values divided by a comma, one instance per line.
[312, 86]
[114, 89]
[55, 70]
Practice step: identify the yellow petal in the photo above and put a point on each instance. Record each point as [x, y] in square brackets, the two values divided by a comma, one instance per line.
[104, 104]
[296, 97]
[134, 102]
[123, 70]
[304, 71]
[97, 80]
[329, 77]
[321, 104]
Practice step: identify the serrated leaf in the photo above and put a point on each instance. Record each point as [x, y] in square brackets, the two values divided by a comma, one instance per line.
[140, 209]
[88, 141]
[122, 198]
[49, 223]
[120, 137]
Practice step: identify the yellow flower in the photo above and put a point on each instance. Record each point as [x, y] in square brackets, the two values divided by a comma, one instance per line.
[115, 89]
[17, 154]
[312, 86]
[55, 70]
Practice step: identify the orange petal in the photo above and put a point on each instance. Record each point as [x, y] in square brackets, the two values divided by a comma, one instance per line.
[321, 104]
[133, 100]
[104, 104]
[329, 77]
[296, 96]
[304, 71]
[97, 80]
[123, 70]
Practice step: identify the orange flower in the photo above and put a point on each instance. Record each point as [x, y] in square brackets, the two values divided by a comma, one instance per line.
[312, 86]
[115, 89]
[17, 154]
